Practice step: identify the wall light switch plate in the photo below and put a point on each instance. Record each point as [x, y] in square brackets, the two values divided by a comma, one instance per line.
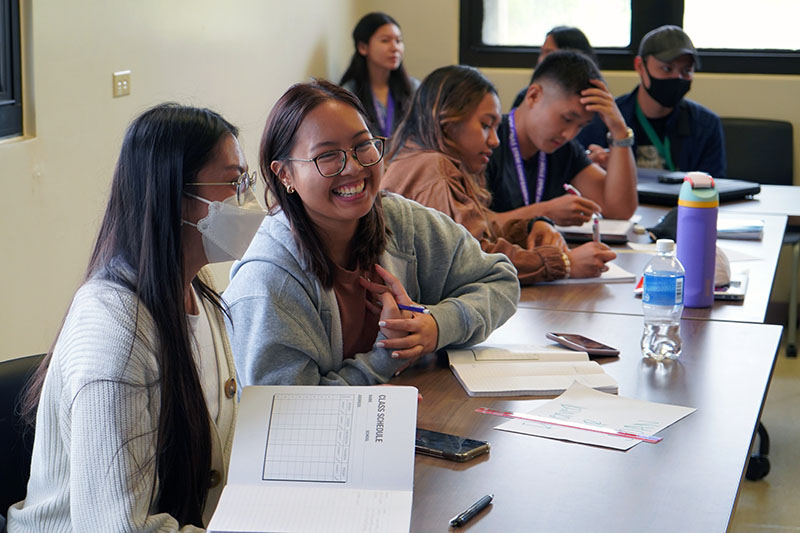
[122, 83]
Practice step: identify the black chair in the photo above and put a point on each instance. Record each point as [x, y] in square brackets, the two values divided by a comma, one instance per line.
[762, 150]
[16, 439]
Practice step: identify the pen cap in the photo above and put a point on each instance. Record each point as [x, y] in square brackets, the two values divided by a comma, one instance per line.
[698, 190]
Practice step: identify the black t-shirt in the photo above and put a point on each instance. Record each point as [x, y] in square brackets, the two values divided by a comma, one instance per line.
[501, 174]
[647, 156]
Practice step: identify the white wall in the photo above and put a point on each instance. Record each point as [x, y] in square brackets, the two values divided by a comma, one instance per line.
[236, 57]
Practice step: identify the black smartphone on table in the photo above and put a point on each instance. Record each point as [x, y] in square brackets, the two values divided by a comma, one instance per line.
[446, 446]
[583, 344]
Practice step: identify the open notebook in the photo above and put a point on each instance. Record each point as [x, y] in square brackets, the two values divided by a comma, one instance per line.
[525, 370]
[334, 459]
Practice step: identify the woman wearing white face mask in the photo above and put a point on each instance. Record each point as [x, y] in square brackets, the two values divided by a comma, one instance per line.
[135, 403]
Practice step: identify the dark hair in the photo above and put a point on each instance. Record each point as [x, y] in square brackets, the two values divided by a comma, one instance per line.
[399, 82]
[276, 145]
[140, 238]
[571, 70]
[448, 95]
[571, 38]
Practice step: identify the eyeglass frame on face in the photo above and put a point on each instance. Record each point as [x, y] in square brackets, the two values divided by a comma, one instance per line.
[344, 157]
[247, 178]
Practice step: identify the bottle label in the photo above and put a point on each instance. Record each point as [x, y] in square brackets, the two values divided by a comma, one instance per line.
[663, 290]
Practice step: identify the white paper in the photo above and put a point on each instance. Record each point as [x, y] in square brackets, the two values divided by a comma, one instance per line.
[516, 352]
[614, 274]
[311, 509]
[297, 448]
[732, 254]
[587, 406]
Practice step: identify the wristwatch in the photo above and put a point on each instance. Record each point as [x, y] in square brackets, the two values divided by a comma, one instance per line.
[624, 142]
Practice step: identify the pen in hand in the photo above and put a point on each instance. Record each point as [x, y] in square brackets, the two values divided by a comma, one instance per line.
[462, 518]
[414, 309]
[595, 227]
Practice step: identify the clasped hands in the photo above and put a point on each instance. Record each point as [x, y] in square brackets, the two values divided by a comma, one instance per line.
[408, 335]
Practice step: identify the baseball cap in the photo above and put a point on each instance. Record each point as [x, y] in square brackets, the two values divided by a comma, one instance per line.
[666, 43]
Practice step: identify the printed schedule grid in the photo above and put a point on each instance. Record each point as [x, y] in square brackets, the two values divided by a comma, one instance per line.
[309, 438]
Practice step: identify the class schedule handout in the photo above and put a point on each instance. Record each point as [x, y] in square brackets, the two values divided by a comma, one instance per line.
[320, 459]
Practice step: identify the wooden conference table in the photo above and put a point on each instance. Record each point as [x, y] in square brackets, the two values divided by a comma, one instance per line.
[688, 482]
[619, 298]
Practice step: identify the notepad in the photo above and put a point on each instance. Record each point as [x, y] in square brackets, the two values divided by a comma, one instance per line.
[336, 459]
[611, 230]
[740, 228]
[525, 370]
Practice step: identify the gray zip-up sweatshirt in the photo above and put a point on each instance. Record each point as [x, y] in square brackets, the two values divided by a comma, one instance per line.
[287, 326]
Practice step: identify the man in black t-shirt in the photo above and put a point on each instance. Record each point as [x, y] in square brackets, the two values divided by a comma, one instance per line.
[537, 155]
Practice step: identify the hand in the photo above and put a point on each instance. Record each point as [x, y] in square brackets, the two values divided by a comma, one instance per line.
[589, 260]
[598, 155]
[543, 234]
[599, 99]
[570, 209]
[409, 335]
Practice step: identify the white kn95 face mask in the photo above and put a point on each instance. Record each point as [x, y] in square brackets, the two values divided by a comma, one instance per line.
[228, 228]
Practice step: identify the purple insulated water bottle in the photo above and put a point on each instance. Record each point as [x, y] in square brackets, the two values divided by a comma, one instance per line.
[697, 237]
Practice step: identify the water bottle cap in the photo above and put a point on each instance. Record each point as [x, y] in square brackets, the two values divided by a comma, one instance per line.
[665, 245]
[698, 190]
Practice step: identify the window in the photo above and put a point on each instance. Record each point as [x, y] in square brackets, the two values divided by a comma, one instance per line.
[10, 73]
[731, 36]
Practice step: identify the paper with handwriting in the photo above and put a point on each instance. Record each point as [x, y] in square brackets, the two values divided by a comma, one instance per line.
[585, 405]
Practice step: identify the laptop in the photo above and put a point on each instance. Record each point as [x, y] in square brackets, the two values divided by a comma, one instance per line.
[734, 291]
[661, 187]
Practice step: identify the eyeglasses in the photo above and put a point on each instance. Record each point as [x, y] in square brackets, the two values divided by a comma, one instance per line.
[243, 183]
[330, 164]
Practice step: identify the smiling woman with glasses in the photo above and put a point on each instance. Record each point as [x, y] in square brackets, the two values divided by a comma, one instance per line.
[320, 297]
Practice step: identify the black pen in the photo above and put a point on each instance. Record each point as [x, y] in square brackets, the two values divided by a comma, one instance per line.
[462, 518]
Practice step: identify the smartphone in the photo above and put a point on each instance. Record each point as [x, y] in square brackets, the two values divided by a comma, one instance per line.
[583, 344]
[448, 446]
[672, 177]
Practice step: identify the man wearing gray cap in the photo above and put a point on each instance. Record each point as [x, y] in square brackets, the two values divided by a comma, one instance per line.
[670, 131]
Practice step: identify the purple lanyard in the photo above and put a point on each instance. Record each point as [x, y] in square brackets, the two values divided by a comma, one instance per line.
[515, 153]
[385, 125]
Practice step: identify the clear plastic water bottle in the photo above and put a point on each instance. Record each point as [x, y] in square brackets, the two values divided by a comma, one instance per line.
[662, 301]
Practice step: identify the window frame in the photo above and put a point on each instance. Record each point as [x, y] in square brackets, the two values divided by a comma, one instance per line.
[645, 15]
[10, 63]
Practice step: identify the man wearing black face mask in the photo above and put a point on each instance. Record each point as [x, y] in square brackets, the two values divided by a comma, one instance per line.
[670, 131]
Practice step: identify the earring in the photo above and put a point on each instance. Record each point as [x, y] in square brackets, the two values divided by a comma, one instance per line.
[289, 188]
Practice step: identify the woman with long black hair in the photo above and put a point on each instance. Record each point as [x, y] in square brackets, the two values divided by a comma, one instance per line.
[376, 73]
[135, 403]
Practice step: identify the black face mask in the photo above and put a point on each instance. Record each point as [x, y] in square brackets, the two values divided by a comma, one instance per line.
[667, 92]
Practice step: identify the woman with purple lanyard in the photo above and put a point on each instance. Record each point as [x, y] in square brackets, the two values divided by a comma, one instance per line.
[376, 73]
